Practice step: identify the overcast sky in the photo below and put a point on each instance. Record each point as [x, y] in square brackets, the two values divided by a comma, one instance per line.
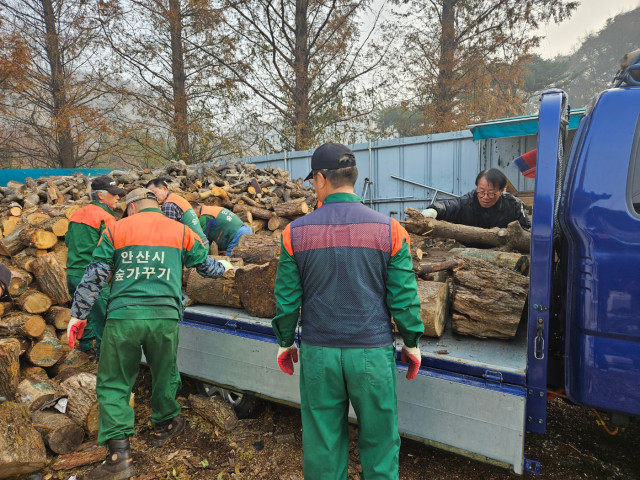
[589, 17]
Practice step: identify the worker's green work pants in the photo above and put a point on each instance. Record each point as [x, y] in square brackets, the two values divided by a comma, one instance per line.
[122, 346]
[329, 378]
[92, 335]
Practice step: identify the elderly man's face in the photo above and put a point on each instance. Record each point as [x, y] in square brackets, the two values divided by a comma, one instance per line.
[160, 192]
[487, 193]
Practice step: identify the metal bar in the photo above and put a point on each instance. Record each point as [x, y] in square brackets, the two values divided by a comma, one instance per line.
[424, 186]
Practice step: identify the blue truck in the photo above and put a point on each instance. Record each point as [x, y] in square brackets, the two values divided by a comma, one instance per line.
[582, 331]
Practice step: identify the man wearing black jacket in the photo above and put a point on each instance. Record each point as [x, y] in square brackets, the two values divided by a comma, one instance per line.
[487, 206]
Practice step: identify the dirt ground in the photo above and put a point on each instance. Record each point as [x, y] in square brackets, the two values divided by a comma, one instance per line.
[268, 446]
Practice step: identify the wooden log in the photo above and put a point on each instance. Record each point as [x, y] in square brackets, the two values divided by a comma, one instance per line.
[5, 307]
[58, 317]
[60, 227]
[15, 209]
[47, 350]
[23, 260]
[513, 237]
[219, 291]
[61, 252]
[425, 269]
[9, 367]
[60, 433]
[82, 406]
[434, 303]
[509, 260]
[75, 359]
[34, 301]
[214, 410]
[277, 223]
[20, 280]
[256, 212]
[37, 393]
[35, 372]
[52, 278]
[92, 454]
[38, 238]
[257, 225]
[257, 249]
[255, 285]
[22, 325]
[11, 243]
[71, 210]
[10, 224]
[36, 218]
[22, 450]
[488, 300]
[291, 209]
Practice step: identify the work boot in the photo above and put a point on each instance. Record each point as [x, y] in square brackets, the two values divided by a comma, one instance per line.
[165, 431]
[118, 464]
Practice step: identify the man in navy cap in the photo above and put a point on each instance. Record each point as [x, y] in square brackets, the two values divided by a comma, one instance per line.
[349, 269]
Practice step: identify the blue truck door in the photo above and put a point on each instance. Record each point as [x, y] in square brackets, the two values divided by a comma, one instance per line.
[600, 216]
[551, 128]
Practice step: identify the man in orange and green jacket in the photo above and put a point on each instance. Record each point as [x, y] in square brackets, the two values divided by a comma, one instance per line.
[85, 228]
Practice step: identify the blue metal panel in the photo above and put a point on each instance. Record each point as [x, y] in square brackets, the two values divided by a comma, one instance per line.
[19, 174]
[602, 367]
[552, 109]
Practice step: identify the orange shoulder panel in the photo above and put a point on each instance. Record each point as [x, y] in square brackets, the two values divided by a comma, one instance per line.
[210, 210]
[93, 216]
[398, 234]
[286, 239]
[151, 229]
[178, 200]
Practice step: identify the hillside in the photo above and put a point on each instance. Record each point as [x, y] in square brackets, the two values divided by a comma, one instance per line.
[590, 68]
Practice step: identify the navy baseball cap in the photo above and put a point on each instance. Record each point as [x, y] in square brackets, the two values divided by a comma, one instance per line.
[331, 156]
[105, 182]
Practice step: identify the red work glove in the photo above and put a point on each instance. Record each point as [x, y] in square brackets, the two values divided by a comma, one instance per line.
[413, 358]
[286, 358]
[75, 329]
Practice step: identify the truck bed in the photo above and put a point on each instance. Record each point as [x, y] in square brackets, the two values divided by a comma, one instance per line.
[468, 397]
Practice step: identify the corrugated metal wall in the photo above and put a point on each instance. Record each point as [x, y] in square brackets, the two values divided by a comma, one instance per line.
[448, 161]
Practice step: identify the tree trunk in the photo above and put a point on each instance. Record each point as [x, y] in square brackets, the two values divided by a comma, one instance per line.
[37, 393]
[445, 91]
[9, 367]
[255, 285]
[302, 83]
[434, 306]
[82, 406]
[22, 324]
[22, 450]
[516, 262]
[488, 300]
[52, 278]
[256, 212]
[60, 110]
[219, 291]
[60, 433]
[180, 125]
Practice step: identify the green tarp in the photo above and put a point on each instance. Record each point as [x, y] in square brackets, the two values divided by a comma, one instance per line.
[517, 126]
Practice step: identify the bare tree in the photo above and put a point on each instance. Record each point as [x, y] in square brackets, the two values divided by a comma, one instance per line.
[57, 101]
[183, 104]
[464, 58]
[301, 61]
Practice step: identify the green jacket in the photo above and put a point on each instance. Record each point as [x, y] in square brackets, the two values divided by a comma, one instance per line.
[85, 228]
[401, 288]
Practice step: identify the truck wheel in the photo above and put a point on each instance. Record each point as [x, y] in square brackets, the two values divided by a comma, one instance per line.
[242, 403]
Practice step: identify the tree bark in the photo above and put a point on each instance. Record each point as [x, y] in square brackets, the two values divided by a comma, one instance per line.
[257, 249]
[180, 125]
[302, 82]
[516, 262]
[60, 433]
[255, 285]
[22, 324]
[22, 450]
[290, 209]
[434, 306]
[93, 454]
[38, 238]
[58, 317]
[48, 350]
[82, 406]
[52, 278]
[488, 300]
[9, 367]
[215, 411]
[445, 86]
[37, 393]
[20, 280]
[219, 291]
